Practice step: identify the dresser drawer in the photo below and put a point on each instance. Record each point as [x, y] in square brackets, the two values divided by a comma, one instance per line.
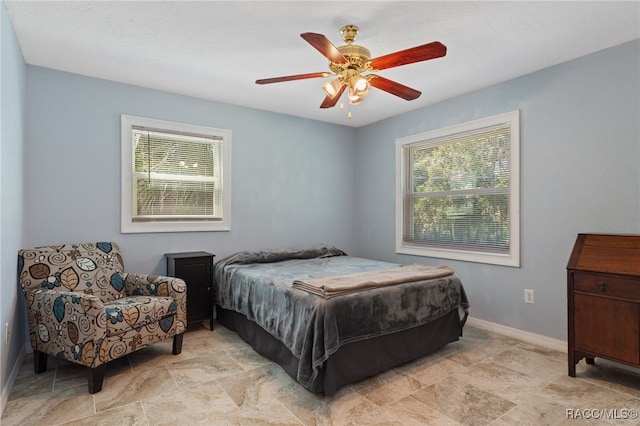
[606, 285]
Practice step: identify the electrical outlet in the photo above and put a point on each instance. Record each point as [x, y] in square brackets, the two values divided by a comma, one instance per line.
[7, 333]
[528, 296]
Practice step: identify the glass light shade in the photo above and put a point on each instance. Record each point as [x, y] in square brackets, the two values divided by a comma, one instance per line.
[358, 89]
[360, 85]
[353, 98]
[332, 88]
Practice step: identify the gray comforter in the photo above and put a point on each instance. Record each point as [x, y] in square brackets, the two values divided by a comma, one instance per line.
[258, 285]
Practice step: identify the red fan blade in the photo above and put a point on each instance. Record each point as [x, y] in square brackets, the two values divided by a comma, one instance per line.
[293, 77]
[409, 56]
[324, 46]
[332, 101]
[394, 88]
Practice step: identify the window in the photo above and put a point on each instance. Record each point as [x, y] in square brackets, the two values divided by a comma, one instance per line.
[175, 177]
[457, 192]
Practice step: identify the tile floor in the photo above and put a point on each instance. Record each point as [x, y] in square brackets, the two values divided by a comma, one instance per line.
[484, 379]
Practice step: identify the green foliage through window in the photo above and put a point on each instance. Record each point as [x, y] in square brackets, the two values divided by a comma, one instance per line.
[458, 194]
[459, 191]
[175, 175]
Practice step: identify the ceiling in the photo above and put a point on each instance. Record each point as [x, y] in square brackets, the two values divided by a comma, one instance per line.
[216, 50]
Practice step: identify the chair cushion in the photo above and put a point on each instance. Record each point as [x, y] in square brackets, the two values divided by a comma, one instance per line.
[135, 312]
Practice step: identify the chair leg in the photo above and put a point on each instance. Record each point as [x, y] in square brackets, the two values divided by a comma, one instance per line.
[95, 377]
[39, 362]
[177, 344]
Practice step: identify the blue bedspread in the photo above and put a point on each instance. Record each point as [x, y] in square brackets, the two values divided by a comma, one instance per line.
[259, 286]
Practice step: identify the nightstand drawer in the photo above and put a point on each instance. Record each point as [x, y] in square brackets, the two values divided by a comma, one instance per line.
[606, 285]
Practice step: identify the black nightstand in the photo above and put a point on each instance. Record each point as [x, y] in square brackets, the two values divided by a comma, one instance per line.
[196, 269]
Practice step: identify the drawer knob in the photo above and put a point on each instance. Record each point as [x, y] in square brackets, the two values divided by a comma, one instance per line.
[603, 286]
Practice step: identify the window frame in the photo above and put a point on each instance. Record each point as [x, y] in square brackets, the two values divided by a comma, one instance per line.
[127, 224]
[512, 258]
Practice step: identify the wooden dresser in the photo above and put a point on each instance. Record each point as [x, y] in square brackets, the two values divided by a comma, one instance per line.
[603, 289]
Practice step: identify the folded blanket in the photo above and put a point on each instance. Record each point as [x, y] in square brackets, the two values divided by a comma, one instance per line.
[329, 287]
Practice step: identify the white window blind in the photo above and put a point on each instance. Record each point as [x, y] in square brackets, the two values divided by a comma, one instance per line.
[457, 197]
[175, 177]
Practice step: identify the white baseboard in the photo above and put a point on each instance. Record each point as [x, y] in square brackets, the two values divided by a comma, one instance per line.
[537, 339]
[525, 336]
[12, 378]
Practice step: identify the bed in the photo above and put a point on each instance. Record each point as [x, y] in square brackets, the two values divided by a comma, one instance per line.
[326, 341]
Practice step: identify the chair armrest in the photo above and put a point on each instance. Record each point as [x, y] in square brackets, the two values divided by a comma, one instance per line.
[158, 285]
[63, 324]
[154, 285]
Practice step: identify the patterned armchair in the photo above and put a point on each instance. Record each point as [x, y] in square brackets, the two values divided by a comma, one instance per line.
[84, 308]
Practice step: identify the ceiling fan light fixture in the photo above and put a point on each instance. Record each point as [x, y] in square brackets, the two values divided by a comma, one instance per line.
[354, 99]
[360, 85]
[358, 89]
[332, 88]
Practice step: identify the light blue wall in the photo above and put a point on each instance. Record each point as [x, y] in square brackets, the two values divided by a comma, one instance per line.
[12, 121]
[580, 172]
[292, 178]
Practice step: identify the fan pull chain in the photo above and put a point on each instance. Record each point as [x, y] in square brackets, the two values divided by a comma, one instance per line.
[342, 109]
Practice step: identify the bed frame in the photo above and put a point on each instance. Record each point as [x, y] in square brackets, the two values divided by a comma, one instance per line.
[346, 365]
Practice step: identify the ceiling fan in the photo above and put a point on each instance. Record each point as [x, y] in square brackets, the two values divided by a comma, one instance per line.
[349, 62]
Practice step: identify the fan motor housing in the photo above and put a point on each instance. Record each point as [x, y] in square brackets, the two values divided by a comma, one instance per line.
[358, 57]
